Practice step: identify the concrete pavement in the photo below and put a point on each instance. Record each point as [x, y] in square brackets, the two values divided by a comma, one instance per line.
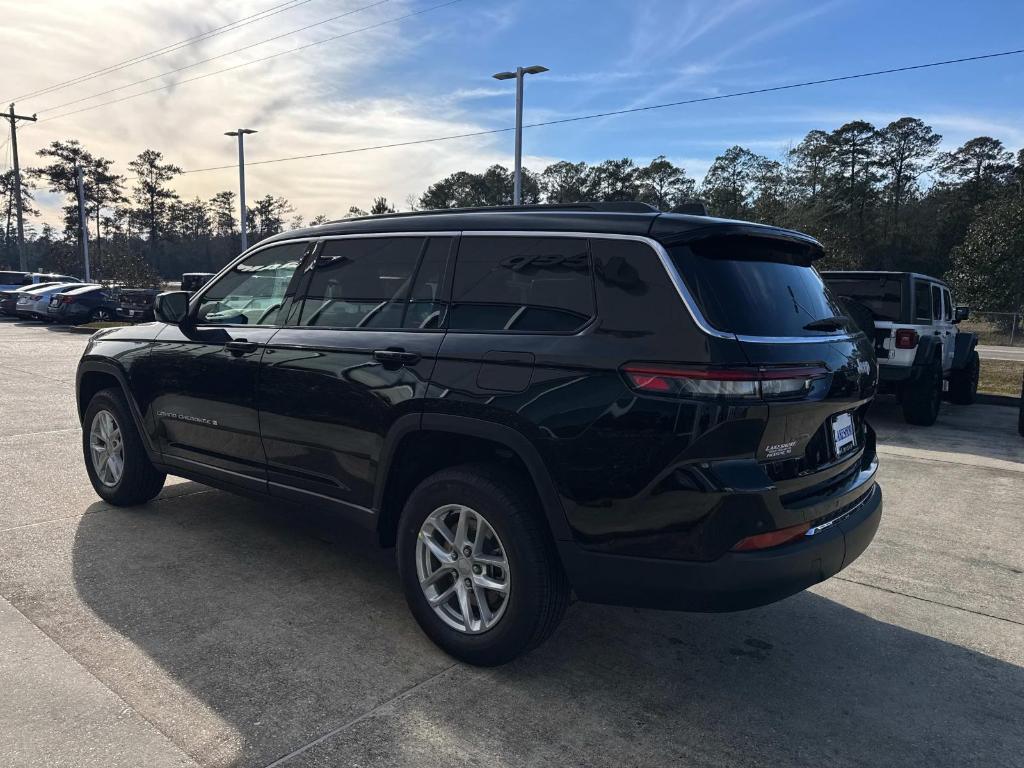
[1001, 353]
[208, 629]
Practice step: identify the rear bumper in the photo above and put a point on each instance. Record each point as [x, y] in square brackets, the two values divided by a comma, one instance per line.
[735, 581]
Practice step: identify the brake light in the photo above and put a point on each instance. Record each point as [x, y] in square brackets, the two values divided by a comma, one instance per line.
[67, 299]
[744, 383]
[906, 338]
[772, 538]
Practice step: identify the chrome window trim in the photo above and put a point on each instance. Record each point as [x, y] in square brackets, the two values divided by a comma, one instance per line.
[198, 295]
[666, 262]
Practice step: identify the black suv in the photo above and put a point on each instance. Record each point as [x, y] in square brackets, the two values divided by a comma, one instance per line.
[645, 409]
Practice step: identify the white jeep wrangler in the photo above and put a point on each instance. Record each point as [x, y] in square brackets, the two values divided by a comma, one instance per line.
[921, 352]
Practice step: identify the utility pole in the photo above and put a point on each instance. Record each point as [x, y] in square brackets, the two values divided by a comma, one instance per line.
[82, 221]
[519, 75]
[242, 225]
[20, 245]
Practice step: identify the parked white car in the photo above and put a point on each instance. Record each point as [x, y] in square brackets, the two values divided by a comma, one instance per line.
[33, 304]
[922, 353]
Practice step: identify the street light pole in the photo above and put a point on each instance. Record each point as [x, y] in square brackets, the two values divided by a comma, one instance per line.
[240, 133]
[519, 75]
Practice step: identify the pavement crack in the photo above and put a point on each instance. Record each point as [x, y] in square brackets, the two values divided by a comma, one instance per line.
[929, 600]
[400, 696]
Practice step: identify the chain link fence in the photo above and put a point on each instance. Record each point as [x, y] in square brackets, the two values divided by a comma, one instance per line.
[1004, 329]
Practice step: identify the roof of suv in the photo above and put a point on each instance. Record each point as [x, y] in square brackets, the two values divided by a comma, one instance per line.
[880, 273]
[626, 218]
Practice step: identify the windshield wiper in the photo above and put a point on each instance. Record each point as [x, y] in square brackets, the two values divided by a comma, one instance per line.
[835, 323]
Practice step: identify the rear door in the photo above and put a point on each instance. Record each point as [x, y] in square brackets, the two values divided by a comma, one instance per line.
[818, 368]
[356, 356]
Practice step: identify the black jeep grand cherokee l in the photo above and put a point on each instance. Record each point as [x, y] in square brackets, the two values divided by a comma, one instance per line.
[646, 409]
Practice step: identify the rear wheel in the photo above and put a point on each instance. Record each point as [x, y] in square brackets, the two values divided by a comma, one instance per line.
[963, 384]
[478, 566]
[115, 458]
[923, 398]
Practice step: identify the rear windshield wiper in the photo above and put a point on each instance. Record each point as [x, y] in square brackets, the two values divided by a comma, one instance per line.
[835, 323]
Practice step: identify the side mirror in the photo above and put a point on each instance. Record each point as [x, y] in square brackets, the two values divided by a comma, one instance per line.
[961, 313]
[171, 307]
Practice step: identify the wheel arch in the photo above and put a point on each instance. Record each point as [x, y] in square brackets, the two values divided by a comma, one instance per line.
[965, 344]
[417, 446]
[928, 347]
[96, 375]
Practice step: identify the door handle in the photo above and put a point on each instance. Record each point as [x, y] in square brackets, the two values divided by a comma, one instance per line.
[396, 357]
[240, 347]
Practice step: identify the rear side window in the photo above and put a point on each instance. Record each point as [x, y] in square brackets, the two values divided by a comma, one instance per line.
[378, 282]
[522, 285]
[883, 296]
[757, 286]
[15, 278]
[922, 302]
[947, 305]
[936, 303]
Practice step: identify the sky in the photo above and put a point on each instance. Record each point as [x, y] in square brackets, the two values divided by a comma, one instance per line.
[401, 70]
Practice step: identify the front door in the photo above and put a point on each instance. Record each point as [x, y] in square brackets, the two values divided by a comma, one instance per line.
[356, 357]
[201, 388]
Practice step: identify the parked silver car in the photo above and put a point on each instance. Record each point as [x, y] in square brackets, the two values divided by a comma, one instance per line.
[33, 304]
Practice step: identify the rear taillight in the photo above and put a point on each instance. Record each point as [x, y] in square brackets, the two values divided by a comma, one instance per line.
[772, 538]
[906, 338]
[763, 383]
[67, 299]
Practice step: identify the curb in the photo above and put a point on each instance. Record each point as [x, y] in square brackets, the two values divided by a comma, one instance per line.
[986, 399]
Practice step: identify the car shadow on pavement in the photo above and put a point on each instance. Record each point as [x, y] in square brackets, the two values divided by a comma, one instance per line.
[244, 630]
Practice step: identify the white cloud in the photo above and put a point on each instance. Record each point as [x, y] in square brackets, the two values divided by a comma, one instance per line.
[304, 103]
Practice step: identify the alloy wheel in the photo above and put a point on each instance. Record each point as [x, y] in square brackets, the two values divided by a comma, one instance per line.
[106, 446]
[462, 569]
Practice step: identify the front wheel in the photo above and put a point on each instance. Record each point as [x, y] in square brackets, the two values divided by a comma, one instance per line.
[102, 315]
[479, 569]
[963, 384]
[923, 398]
[115, 458]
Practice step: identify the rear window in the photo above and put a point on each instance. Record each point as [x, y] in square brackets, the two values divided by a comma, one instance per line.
[756, 286]
[15, 278]
[882, 295]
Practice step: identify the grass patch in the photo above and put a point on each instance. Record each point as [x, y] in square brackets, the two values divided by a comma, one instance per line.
[104, 324]
[1001, 377]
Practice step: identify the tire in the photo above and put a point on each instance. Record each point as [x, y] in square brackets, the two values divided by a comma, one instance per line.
[101, 315]
[923, 398]
[963, 384]
[537, 592]
[138, 481]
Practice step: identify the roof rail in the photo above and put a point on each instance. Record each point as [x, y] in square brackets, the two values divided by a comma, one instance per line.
[620, 206]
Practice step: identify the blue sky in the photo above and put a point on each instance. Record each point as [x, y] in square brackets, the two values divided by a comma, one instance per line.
[430, 76]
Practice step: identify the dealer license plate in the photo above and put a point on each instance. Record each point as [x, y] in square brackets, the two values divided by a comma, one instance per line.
[844, 438]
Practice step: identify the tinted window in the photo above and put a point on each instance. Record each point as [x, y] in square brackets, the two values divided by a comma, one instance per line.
[882, 295]
[15, 278]
[922, 302]
[522, 284]
[377, 282]
[252, 292]
[936, 302]
[757, 287]
[947, 306]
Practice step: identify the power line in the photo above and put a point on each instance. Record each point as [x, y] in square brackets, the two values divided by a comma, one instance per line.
[612, 113]
[255, 61]
[211, 58]
[229, 27]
